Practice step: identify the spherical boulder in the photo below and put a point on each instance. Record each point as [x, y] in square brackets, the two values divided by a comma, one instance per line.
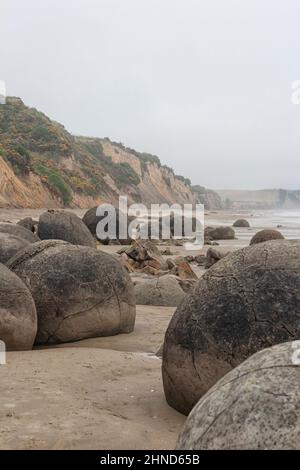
[18, 318]
[91, 220]
[18, 231]
[255, 406]
[219, 233]
[79, 292]
[266, 235]
[64, 225]
[247, 301]
[29, 223]
[164, 291]
[10, 245]
[242, 223]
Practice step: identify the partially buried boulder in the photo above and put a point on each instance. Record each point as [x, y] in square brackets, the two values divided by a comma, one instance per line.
[29, 223]
[241, 223]
[266, 235]
[246, 302]
[79, 292]
[213, 256]
[18, 319]
[64, 225]
[219, 233]
[18, 231]
[255, 406]
[164, 291]
[10, 245]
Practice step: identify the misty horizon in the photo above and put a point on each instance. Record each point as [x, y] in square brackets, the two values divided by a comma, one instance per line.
[203, 85]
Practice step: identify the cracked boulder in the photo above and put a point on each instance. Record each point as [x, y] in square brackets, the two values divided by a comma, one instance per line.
[18, 231]
[64, 225]
[18, 319]
[79, 292]
[255, 406]
[266, 235]
[244, 303]
[164, 291]
[10, 245]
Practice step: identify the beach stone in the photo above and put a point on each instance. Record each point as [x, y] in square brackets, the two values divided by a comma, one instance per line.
[79, 292]
[182, 269]
[91, 220]
[10, 245]
[64, 225]
[266, 235]
[219, 233]
[242, 223]
[213, 256]
[164, 291]
[18, 231]
[18, 318]
[245, 302]
[255, 406]
[29, 223]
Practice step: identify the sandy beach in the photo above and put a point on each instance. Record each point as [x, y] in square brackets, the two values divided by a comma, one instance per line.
[99, 393]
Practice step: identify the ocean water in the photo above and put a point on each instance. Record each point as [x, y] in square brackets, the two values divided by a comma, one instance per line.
[286, 221]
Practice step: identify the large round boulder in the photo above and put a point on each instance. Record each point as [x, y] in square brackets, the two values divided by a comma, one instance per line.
[10, 245]
[255, 406]
[219, 233]
[18, 231]
[18, 318]
[241, 223]
[164, 291]
[245, 302]
[79, 292]
[64, 225]
[91, 220]
[266, 235]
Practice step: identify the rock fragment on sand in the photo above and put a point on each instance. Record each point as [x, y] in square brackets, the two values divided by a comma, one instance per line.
[241, 223]
[219, 233]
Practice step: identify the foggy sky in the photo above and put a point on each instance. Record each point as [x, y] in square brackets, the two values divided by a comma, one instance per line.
[203, 84]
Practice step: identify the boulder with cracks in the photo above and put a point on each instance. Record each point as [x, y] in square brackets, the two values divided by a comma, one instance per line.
[79, 292]
[246, 302]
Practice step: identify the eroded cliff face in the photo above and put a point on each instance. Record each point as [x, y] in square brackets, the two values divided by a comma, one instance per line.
[42, 165]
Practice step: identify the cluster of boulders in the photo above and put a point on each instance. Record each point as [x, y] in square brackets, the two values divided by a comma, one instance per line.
[57, 287]
[248, 301]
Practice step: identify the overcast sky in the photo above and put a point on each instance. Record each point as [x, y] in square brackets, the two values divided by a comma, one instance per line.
[204, 84]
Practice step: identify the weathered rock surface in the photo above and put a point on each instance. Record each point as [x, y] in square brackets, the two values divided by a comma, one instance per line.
[64, 225]
[91, 220]
[10, 245]
[164, 291]
[241, 223]
[255, 406]
[18, 318]
[246, 302]
[266, 235]
[79, 292]
[18, 231]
